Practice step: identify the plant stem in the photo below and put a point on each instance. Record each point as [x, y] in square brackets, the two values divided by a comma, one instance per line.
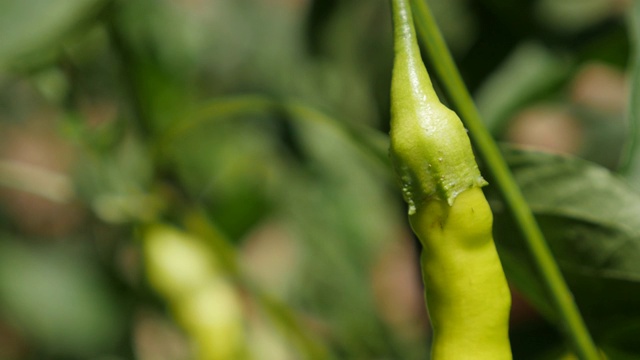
[129, 75]
[371, 143]
[456, 92]
[628, 163]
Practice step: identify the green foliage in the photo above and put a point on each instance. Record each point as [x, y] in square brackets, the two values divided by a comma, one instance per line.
[32, 26]
[589, 217]
[267, 121]
[58, 299]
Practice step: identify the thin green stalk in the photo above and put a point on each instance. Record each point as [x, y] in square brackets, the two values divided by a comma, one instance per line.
[128, 65]
[372, 144]
[628, 163]
[461, 100]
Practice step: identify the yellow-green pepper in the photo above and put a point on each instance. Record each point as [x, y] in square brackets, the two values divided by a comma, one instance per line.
[466, 291]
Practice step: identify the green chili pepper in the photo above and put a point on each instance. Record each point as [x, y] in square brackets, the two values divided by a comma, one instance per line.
[201, 297]
[467, 294]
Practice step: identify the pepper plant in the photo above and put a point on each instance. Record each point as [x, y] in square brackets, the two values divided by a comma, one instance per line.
[217, 179]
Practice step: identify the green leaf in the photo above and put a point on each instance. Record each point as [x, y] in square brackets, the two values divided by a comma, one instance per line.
[30, 25]
[58, 299]
[576, 190]
[591, 219]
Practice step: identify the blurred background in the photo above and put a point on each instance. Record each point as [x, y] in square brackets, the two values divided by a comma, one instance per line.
[207, 179]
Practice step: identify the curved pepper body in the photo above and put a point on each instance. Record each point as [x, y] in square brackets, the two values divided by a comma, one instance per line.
[466, 290]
